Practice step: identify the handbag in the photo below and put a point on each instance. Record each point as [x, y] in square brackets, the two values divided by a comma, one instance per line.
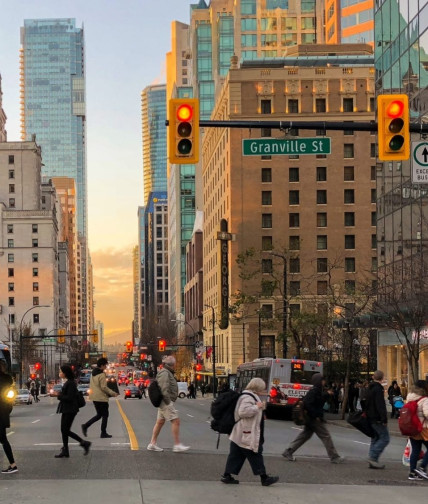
[80, 400]
[360, 421]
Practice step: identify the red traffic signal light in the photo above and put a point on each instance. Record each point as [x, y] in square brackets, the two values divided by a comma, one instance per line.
[183, 135]
[162, 345]
[129, 346]
[198, 367]
[393, 127]
[37, 366]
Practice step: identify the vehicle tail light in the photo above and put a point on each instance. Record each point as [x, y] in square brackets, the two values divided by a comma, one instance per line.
[297, 386]
[273, 392]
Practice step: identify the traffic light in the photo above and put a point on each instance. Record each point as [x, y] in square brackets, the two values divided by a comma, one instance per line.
[393, 127]
[95, 336]
[162, 344]
[61, 335]
[129, 346]
[37, 366]
[183, 130]
[198, 367]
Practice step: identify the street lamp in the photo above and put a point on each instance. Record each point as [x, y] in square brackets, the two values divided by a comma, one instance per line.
[213, 352]
[21, 342]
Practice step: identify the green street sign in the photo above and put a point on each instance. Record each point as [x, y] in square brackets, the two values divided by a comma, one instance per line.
[286, 147]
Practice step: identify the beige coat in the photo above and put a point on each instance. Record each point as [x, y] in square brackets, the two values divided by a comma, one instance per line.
[168, 385]
[99, 390]
[248, 417]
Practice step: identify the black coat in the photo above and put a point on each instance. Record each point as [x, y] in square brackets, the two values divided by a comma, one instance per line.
[375, 405]
[314, 402]
[6, 382]
[68, 398]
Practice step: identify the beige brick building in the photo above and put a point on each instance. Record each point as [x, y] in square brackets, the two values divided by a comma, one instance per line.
[319, 209]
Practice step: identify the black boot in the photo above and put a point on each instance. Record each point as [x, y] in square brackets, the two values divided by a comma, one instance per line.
[268, 480]
[63, 453]
[85, 445]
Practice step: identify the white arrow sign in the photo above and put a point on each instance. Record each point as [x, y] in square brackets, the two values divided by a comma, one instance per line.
[420, 162]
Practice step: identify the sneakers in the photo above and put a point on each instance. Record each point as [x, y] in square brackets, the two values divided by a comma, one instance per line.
[421, 472]
[180, 448]
[228, 479]
[289, 456]
[337, 460]
[105, 435]
[10, 470]
[84, 430]
[154, 447]
[374, 464]
[415, 477]
[270, 480]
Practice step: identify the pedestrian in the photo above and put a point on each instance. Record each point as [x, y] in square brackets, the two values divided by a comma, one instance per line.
[403, 388]
[247, 436]
[394, 391]
[37, 392]
[69, 407]
[419, 392]
[166, 411]
[313, 402]
[143, 389]
[202, 387]
[364, 391]
[378, 417]
[33, 391]
[191, 390]
[6, 405]
[100, 394]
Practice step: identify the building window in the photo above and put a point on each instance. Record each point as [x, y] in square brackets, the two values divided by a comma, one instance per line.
[266, 174]
[11, 258]
[320, 105]
[349, 196]
[267, 346]
[321, 219]
[11, 174]
[10, 228]
[10, 243]
[293, 197]
[372, 172]
[294, 265]
[293, 106]
[267, 288]
[350, 242]
[350, 264]
[293, 174]
[373, 150]
[11, 188]
[267, 243]
[11, 301]
[35, 286]
[266, 220]
[267, 311]
[10, 272]
[11, 159]
[35, 301]
[294, 220]
[36, 318]
[35, 228]
[12, 202]
[348, 174]
[372, 105]
[374, 215]
[348, 104]
[374, 241]
[350, 287]
[266, 106]
[322, 265]
[10, 286]
[349, 219]
[322, 287]
[159, 245]
[322, 242]
[294, 288]
[35, 258]
[294, 243]
[374, 264]
[321, 173]
[35, 242]
[266, 197]
[267, 266]
[321, 197]
[348, 150]
[35, 272]
[373, 196]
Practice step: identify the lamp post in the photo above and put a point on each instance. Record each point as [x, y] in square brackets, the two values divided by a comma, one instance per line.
[284, 304]
[21, 342]
[213, 352]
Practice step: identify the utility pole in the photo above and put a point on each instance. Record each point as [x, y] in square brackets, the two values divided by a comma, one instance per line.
[213, 352]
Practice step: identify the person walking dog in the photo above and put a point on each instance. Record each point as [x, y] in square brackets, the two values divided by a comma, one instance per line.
[247, 437]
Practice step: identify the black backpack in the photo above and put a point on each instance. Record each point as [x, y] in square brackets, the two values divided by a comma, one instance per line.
[155, 394]
[223, 411]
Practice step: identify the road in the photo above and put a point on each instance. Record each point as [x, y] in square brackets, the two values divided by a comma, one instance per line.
[117, 468]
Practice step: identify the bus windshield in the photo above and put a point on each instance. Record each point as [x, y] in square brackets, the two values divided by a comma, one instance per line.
[301, 376]
[5, 355]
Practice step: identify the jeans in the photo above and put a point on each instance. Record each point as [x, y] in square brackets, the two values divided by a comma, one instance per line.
[102, 412]
[379, 442]
[416, 450]
[6, 445]
[237, 457]
[66, 423]
[319, 428]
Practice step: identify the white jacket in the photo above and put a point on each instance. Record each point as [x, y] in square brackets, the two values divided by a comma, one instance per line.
[248, 417]
[422, 407]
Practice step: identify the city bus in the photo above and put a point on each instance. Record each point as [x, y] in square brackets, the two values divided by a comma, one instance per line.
[287, 380]
[5, 355]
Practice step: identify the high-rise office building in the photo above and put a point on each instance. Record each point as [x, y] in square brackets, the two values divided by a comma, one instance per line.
[349, 21]
[401, 64]
[153, 107]
[52, 60]
[3, 135]
[141, 282]
[135, 284]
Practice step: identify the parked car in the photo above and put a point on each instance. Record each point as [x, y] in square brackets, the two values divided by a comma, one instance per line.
[23, 396]
[84, 388]
[133, 391]
[55, 390]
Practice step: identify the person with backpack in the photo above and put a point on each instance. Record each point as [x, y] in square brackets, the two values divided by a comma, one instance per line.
[313, 403]
[378, 418]
[247, 436]
[166, 410]
[419, 393]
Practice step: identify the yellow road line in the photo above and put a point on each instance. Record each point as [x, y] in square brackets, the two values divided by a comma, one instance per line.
[131, 433]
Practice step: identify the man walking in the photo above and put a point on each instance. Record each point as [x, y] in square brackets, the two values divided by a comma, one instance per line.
[166, 410]
[378, 417]
[99, 394]
[313, 402]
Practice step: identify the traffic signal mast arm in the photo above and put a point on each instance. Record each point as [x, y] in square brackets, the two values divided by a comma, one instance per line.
[53, 336]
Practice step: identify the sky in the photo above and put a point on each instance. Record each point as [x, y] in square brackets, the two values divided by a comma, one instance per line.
[126, 42]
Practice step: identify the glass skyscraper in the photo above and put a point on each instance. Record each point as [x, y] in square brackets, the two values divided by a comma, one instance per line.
[52, 60]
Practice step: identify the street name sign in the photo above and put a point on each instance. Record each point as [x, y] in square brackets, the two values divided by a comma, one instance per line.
[285, 147]
[419, 162]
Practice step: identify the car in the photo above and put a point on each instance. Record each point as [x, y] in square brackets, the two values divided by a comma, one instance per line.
[133, 391]
[23, 396]
[55, 390]
[182, 389]
[84, 388]
[123, 380]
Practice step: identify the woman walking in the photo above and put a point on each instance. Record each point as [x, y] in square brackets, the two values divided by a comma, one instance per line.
[6, 383]
[419, 392]
[394, 391]
[247, 437]
[68, 407]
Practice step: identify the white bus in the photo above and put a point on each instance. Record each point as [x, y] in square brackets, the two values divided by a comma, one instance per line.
[287, 380]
